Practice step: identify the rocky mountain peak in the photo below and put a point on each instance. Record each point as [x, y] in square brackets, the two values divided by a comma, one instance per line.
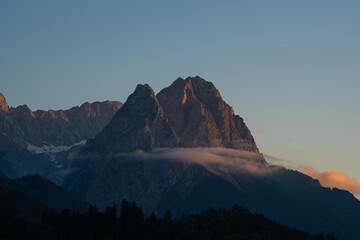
[3, 104]
[200, 117]
[188, 113]
[140, 124]
[143, 100]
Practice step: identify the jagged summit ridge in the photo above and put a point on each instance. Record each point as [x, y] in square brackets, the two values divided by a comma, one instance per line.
[140, 124]
[54, 127]
[201, 118]
[188, 113]
[144, 101]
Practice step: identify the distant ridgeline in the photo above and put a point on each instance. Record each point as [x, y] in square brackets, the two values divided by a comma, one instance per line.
[41, 128]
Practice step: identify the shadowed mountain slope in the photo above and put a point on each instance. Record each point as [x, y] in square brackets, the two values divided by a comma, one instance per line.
[46, 192]
[140, 124]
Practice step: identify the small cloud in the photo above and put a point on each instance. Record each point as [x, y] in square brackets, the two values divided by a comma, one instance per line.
[259, 136]
[334, 179]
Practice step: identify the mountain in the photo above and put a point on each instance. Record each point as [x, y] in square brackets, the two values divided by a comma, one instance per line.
[24, 203]
[189, 113]
[42, 142]
[185, 150]
[55, 128]
[16, 161]
[140, 124]
[46, 192]
[200, 117]
[10, 199]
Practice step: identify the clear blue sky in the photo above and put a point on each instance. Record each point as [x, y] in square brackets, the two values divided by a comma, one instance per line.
[291, 69]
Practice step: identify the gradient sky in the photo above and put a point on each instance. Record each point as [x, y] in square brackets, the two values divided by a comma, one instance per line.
[291, 69]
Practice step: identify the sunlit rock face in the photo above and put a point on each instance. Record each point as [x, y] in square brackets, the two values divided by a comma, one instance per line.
[189, 113]
[3, 105]
[200, 117]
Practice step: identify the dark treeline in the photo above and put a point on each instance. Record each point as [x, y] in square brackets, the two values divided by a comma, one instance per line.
[237, 223]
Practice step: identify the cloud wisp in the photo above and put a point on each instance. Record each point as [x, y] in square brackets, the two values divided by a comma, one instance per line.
[280, 161]
[220, 161]
[334, 179]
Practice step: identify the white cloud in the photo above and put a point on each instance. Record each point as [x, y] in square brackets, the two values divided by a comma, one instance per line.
[217, 160]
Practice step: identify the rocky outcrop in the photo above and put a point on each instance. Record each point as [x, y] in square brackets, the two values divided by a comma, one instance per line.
[140, 124]
[3, 105]
[56, 128]
[200, 117]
